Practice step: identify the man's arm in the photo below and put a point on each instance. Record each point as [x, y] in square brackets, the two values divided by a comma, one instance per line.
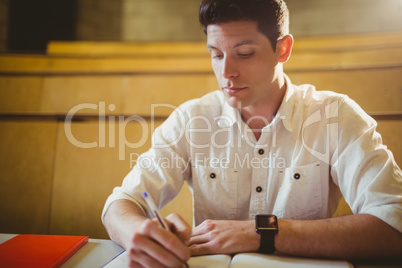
[147, 243]
[347, 237]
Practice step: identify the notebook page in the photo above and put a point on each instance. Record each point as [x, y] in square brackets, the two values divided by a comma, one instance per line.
[255, 260]
[207, 261]
[119, 261]
[210, 261]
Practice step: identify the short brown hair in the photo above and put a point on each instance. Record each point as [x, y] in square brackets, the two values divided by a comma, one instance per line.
[272, 16]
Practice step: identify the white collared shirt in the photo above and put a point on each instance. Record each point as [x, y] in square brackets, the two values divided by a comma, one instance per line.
[319, 146]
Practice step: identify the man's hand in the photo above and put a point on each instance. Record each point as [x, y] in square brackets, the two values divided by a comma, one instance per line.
[154, 246]
[224, 237]
[147, 243]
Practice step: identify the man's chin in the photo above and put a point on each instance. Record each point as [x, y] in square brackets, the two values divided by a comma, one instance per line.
[233, 102]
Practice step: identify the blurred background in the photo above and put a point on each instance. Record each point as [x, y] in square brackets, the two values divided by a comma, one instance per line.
[30, 25]
[105, 62]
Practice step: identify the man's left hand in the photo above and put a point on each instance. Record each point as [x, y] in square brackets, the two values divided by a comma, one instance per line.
[224, 237]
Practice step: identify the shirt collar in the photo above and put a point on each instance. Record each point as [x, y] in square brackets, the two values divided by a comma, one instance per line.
[229, 116]
[285, 111]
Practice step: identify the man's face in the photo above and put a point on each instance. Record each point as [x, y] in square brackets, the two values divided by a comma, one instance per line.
[244, 63]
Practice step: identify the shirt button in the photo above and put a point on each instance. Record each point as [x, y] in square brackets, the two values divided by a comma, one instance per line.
[212, 175]
[258, 189]
[296, 176]
[261, 151]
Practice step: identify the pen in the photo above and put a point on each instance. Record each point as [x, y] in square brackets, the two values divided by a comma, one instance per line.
[155, 212]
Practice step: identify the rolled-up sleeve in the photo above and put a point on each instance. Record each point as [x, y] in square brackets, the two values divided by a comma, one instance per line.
[160, 171]
[365, 171]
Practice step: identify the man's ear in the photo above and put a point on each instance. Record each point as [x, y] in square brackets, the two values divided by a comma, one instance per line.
[284, 48]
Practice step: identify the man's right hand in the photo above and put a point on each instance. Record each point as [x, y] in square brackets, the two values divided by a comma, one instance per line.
[147, 243]
[154, 246]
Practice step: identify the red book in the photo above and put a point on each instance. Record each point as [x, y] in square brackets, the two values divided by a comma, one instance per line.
[39, 250]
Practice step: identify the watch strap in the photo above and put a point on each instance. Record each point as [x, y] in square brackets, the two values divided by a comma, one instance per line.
[267, 242]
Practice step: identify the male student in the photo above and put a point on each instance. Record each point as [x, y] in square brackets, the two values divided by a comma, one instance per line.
[261, 148]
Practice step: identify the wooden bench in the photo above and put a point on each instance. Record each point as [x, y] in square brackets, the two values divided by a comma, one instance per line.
[311, 44]
[363, 75]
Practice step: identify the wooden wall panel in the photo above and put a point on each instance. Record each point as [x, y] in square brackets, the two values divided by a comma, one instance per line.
[159, 20]
[182, 204]
[58, 95]
[39, 64]
[354, 42]
[375, 90]
[62, 93]
[85, 177]
[349, 59]
[142, 91]
[130, 94]
[328, 60]
[20, 94]
[343, 209]
[310, 44]
[343, 17]
[127, 48]
[391, 132]
[26, 174]
[23, 63]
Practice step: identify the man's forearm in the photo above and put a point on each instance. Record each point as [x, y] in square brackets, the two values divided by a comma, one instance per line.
[122, 219]
[347, 237]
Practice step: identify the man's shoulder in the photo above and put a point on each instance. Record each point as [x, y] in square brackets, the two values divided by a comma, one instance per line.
[333, 104]
[310, 94]
[308, 97]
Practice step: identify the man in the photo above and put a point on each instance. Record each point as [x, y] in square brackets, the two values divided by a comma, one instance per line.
[261, 146]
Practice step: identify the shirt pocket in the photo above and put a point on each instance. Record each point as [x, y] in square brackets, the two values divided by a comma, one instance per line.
[215, 193]
[299, 195]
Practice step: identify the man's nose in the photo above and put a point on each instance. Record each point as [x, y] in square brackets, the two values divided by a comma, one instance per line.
[229, 68]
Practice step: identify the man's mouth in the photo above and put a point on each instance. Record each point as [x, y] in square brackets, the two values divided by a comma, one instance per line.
[233, 90]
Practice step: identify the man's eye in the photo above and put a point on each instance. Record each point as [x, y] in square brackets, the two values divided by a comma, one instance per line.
[246, 55]
[218, 56]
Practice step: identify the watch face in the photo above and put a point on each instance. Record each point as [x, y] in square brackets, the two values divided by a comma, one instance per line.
[267, 222]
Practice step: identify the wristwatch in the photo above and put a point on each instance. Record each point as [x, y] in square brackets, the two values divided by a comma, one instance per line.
[267, 227]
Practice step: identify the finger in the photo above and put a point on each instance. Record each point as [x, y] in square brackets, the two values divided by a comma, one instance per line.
[205, 227]
[200, 239]
[144, 263]
[173, 244]
[166, 240]
[179, 227]
[149, 253]
[140, 259]
[133, 264]
[200, 249]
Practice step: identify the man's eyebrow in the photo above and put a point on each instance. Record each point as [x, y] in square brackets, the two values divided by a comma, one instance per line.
[242, 43]
[245, 42]
[209, 46]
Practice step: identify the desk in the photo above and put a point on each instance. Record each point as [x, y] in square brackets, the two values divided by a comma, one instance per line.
[98, 252]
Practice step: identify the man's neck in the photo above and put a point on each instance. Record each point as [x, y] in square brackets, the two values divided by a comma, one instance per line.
[259, 117]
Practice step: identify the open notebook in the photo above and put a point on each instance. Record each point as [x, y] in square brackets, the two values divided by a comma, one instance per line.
[249, 260]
